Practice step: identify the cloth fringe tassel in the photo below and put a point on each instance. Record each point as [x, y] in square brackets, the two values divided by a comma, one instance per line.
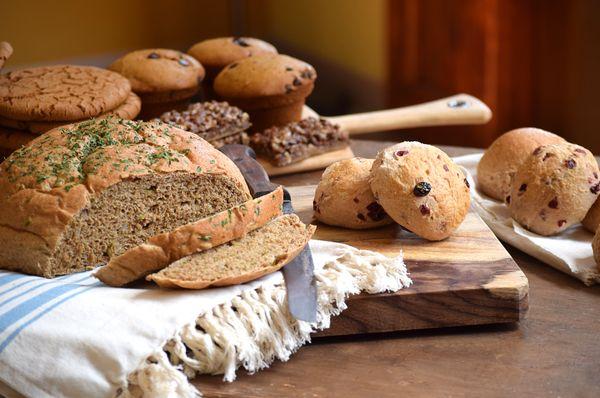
[255, 328]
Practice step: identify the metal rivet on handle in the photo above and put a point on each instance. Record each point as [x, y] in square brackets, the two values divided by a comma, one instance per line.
[457, 104]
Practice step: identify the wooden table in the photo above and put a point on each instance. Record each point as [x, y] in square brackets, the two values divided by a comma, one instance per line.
[554, 352]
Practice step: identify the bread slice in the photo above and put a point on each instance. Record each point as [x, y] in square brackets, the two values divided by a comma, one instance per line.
[166, 248]
[261, 252]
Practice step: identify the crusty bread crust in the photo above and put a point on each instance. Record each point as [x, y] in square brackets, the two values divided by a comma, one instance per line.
[45, 184]
[164, 249]
[282, 259]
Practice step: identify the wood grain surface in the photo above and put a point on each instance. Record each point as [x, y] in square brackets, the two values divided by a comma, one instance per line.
[553, 352]
[467, 279]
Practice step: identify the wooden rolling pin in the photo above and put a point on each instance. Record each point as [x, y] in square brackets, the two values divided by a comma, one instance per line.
[458, 109]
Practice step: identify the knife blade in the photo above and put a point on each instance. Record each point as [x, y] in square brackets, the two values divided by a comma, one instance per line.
[298, 273]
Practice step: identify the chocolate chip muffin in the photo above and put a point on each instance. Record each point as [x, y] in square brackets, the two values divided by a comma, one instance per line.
[164, 79]
[502, 159]
[421, 188]
[554, 188]
[272, 88]
[217, 122]
[344, 197]
[215, 54]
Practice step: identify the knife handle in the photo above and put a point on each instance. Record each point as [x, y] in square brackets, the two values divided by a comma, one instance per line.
[256, 177]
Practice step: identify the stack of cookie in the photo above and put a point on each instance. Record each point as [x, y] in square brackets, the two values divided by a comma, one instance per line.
[33, 101]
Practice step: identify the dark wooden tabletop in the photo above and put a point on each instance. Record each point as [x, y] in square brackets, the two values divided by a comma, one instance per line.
[554, 352]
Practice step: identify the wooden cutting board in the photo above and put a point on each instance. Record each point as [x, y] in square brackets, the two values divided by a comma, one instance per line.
[467, 279]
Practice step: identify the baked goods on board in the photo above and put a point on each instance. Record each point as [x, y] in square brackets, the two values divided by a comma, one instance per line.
[554, 188]
[164, 79]
[344, 197]
[296, 141]
[501, 160]
[78, 195]
[591, 220]
[272, 88]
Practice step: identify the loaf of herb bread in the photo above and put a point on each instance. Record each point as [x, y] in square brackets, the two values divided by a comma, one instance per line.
[83, 193]
[161, 250]
[260, 252]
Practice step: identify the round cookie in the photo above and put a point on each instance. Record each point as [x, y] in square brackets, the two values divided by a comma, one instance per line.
[591, 221]
[272, 88]
[421, 188]
[159, 75]
[215, 54]
[554, 188]
[60, 92]
[344, 197]
[127, 110]
[502, 159]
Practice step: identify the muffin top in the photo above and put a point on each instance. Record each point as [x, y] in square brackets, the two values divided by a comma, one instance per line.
[159, 70]
[60, 92]
[264, 75]
[221, 51]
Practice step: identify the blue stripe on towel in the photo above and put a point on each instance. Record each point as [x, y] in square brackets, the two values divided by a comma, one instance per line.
[27, 307]
[18, 330]
[18, 286]
[44, 282]
[10, 277]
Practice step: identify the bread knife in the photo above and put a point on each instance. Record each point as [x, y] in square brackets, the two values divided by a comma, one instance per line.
[298, 273]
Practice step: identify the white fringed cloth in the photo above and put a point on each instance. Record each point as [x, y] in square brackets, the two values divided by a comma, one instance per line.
[75, 337]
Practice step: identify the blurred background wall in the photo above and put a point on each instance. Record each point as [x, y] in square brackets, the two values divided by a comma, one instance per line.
[535, 62]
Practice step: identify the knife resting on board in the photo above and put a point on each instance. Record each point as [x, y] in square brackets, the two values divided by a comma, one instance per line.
[298, 273]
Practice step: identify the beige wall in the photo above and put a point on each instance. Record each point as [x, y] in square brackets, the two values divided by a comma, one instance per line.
[43, 31]
[348, 33]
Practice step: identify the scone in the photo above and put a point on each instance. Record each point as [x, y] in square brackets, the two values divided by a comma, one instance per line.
[215, 54]
[554, 188]
[272, 88]
[502, 159]
[164, 79]
[344, 197]
[591, 220]
[421, 188]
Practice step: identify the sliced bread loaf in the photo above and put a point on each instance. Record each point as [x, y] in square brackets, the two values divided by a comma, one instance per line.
[261, 252]
[164, 249]
[80, 194]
